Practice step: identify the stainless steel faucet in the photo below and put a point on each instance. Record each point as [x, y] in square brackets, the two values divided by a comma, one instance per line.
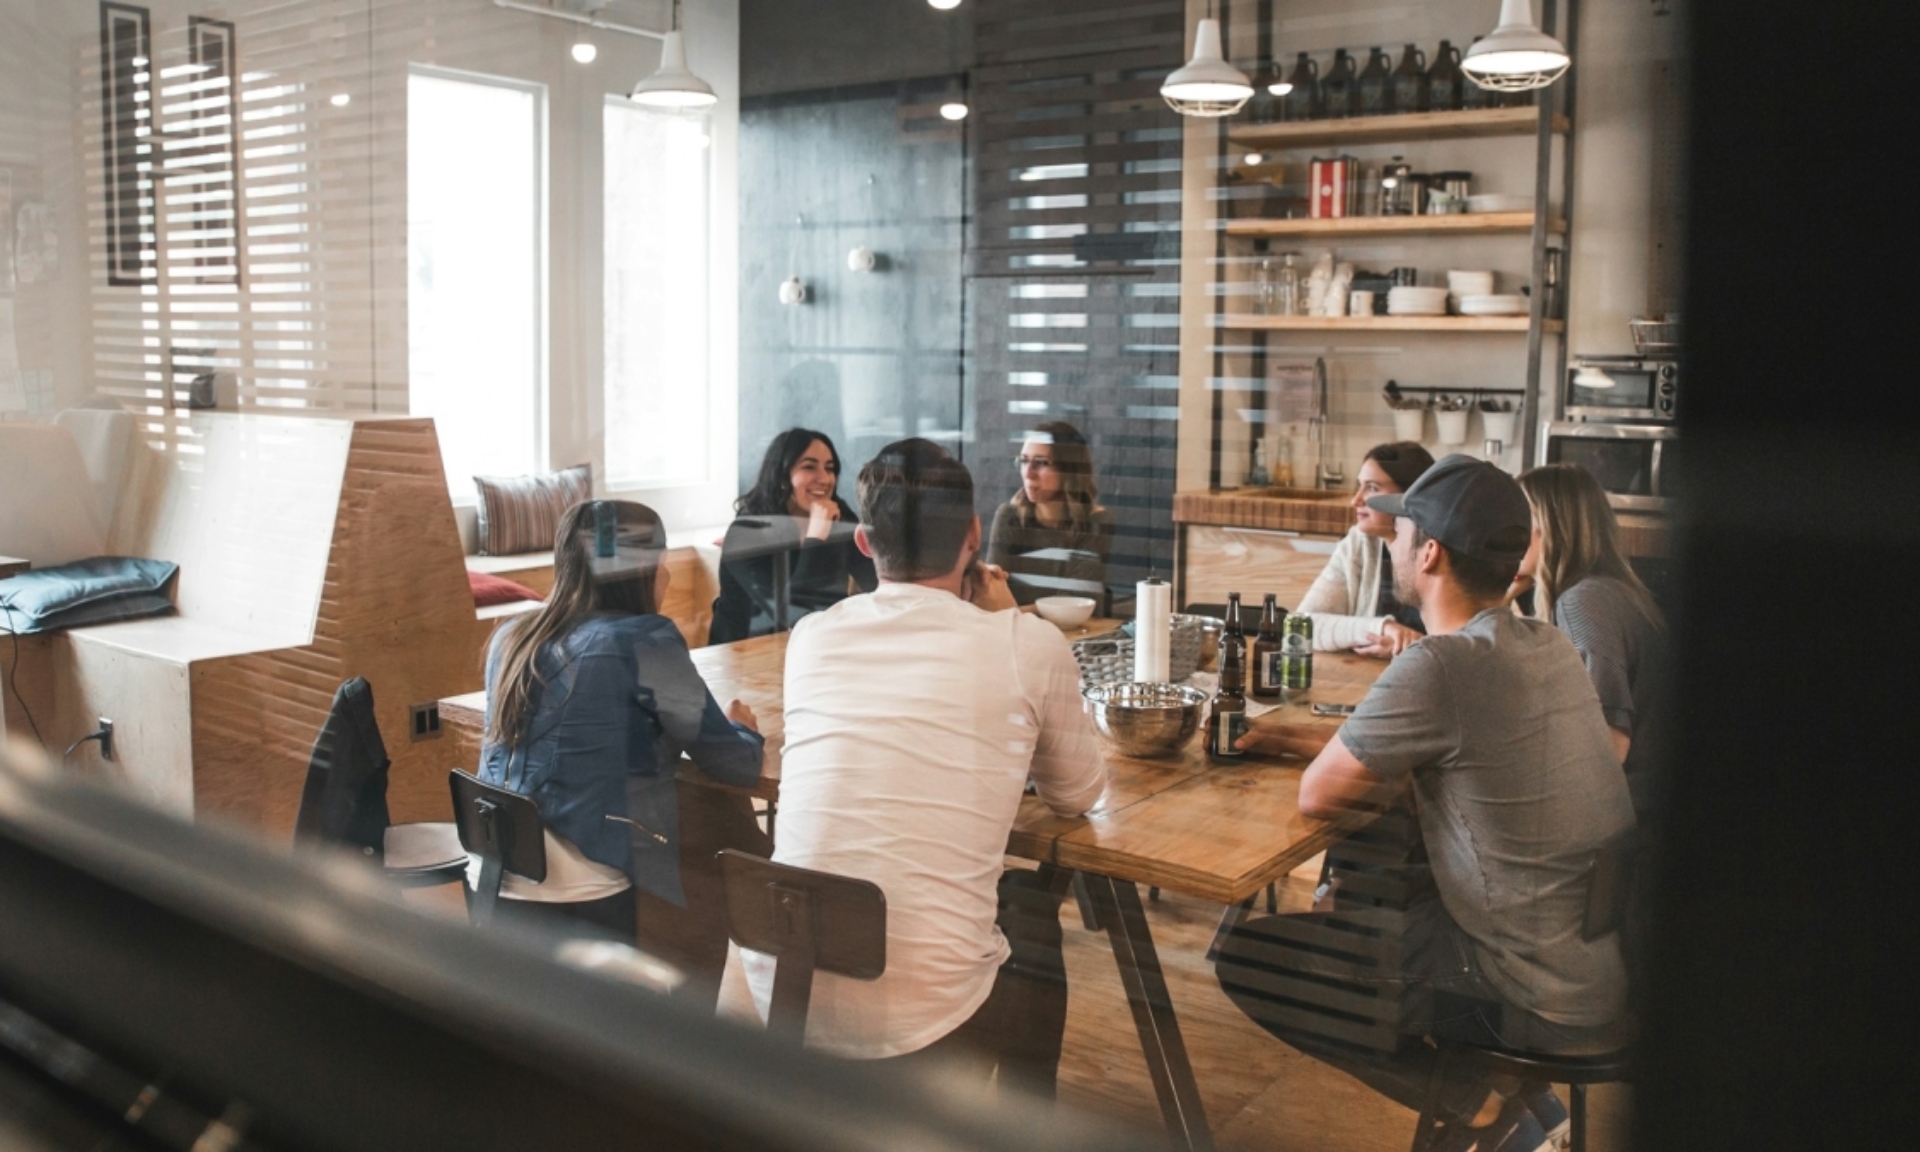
[1327, 472]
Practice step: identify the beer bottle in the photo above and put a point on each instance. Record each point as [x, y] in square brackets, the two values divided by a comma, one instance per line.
[1265, 673]
[1229, 720]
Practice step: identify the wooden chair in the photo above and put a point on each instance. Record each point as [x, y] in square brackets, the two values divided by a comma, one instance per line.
[806, 921]
[1610, 884]
[344, 800]
[504, 830]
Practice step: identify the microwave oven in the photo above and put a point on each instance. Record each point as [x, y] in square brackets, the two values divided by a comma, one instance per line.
[1621, 388]
[1635, 463]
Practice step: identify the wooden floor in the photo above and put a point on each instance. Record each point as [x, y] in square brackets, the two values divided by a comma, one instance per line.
[1259, 1093]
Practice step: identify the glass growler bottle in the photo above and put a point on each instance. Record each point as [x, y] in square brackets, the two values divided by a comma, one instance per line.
[1373, 92]
[1266, 652]
[1410, 81]
[1336, 87]
[1229, 719]
[1302, 101]
[1444, 79]
[1472, 96]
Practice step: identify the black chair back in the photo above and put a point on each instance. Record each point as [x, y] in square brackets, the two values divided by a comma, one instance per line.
[805, 920]
[504, 830]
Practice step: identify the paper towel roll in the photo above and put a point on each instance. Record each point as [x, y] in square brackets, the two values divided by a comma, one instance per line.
[1152, 630]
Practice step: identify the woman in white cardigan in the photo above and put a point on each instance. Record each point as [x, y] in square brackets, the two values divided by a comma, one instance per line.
[1352, 602]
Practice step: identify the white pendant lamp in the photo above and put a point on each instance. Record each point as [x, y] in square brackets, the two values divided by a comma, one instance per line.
[1207, 85]
[1517, 57]
[672, 85]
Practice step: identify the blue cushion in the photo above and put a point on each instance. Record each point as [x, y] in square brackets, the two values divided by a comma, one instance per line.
[92, 591]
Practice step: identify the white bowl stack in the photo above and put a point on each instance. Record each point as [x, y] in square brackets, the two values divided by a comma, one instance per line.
[1407, 300]
[1489, 305]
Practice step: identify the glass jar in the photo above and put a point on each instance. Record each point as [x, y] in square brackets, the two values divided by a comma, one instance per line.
[1286, 288]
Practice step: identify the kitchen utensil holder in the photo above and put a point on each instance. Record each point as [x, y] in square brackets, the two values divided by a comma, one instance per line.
[1452, 426]
[1410, 424]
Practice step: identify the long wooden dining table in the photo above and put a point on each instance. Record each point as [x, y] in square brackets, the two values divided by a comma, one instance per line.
[1179, 822]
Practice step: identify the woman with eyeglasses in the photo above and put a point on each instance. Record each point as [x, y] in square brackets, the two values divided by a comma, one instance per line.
[590, 702]
[1053, 536]
[1352, 601]
[790, 549]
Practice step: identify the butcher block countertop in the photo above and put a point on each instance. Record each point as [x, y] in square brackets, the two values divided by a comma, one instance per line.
[1329, 514]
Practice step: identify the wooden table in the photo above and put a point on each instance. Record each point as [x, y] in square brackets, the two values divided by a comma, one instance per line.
[1179, 823]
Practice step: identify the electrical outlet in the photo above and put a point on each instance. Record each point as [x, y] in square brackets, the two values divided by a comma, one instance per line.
[106, 738]
[425, 720]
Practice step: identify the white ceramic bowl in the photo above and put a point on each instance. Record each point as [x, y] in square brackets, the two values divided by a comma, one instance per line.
[1493, 305]
[1470, 283]
[1499, 202]
[1065, 611]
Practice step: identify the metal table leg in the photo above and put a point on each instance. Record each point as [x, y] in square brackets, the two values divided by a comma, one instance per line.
[1117, 904]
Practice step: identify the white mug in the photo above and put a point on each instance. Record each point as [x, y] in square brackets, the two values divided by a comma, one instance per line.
[1359, 303]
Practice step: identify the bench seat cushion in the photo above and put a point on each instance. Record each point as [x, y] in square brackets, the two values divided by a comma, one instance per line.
[490, 590]
[98, 590]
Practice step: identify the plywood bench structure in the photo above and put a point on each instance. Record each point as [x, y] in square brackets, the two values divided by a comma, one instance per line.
[311, 549]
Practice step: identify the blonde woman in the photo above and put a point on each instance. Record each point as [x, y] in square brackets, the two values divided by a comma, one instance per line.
[1053, 536]
[1585, 587]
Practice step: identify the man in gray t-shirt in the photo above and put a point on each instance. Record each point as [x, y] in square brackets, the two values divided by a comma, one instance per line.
[1492, 722]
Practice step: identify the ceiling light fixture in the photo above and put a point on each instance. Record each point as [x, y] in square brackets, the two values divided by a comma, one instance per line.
[1273, 77]
[340, 99]
[1255, 159]
[944, 5]
[953, 110]
[584, 51]
[672, 85]
[1207, 85]
[1517, 56]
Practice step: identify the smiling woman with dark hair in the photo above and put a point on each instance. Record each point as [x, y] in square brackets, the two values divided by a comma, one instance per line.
[792, 516]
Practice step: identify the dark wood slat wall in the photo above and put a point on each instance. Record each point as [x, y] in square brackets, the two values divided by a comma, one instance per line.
[1073, 252]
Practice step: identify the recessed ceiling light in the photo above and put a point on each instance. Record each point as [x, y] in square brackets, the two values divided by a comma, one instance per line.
[944, 5]
[954, 110]
[340, 99]
[1254, 159]
[585, 51]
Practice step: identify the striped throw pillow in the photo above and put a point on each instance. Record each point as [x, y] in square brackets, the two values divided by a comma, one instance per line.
[521, 513]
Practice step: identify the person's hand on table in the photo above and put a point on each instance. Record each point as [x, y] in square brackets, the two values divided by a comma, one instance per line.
[739, 713]
[986, 587]
[1390, 641]
[820, 519]
[1302, 740]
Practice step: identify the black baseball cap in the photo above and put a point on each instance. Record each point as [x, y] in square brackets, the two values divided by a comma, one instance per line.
[1469, 505]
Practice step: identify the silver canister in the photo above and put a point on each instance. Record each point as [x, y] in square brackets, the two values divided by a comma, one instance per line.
[1395, 192]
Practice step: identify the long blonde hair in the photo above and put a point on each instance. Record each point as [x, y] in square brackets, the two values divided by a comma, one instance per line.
[1579, 536]
[624, 584]
[1074, 461]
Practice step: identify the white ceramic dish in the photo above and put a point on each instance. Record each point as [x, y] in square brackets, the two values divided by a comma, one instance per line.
[1470, 283]
[1065, 612]
[1499, 202]
[1493, 305]
[1413, 295]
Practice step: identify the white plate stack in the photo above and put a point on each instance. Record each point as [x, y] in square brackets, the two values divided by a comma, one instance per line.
[1490, 305]
[1461, 285]
[1407, 300]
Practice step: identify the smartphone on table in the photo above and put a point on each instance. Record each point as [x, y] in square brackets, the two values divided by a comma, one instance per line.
[1325, 709]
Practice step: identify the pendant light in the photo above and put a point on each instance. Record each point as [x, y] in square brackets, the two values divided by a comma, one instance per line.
[1207, 85]
[1517, 57]
[672, 85]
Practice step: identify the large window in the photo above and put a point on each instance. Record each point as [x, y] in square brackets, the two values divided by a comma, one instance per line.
[477, 270]
[657, 396]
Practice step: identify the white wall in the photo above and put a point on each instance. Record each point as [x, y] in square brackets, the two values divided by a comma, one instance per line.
[363, 47]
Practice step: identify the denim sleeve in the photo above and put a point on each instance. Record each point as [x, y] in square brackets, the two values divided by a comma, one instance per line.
[687, 716]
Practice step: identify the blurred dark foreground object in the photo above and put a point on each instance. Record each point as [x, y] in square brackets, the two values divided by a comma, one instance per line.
[211, 980]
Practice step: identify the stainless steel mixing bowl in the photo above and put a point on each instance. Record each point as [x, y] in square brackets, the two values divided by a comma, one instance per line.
[1146, 719]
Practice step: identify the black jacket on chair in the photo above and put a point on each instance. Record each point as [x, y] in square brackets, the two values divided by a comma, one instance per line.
[345, 799]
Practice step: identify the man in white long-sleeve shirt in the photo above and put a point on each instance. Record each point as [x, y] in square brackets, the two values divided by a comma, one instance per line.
[914, 717]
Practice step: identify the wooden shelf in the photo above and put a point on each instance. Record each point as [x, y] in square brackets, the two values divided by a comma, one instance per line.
[1389, 129]
[1468, 223]
[1383, 324]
